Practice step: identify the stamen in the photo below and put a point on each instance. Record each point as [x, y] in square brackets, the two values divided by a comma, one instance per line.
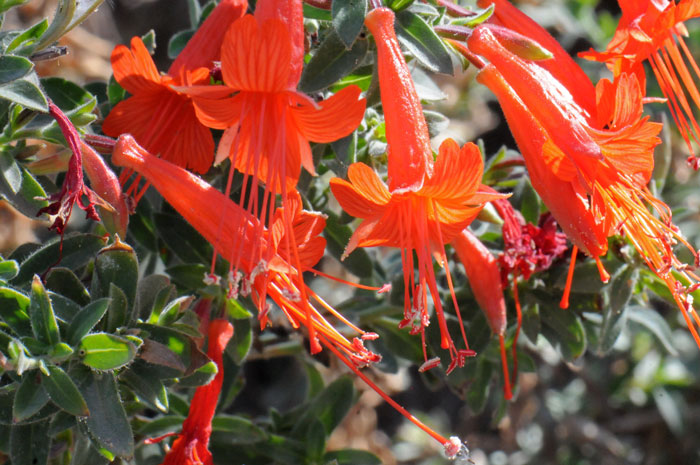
[507, 392]
[604, 275]
[569, 279]
[519, 314]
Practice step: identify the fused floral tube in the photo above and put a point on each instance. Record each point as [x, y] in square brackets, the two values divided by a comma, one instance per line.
[268, 124]
[160, 118]
[260, 273]
[562, 66]
[192, 444]
[484, 278]
[592, 198]
[652, 31]
[425, 205]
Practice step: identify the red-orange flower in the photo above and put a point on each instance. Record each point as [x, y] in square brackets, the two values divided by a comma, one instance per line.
[162, 119]
[267, 123]
[426, 203]
[483, 274]
[653, 31]
[261, 265]
[590, 170]
[562, 66]
[192, 445]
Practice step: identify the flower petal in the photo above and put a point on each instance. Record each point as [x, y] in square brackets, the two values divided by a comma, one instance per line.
[352, 201]
[204, 48]
[368, 183]
[456, 174]
[291, 13]
[134, 69]
[255, 58]
[218, 113]
[337, 116]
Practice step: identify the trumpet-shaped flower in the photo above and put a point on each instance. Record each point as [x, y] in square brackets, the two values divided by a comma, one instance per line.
[261, 271]
[562, 66]
[483, 274]
[653, 31]
[191, 446]
[426, 204]
[590, 170]
[160, 118]
[267, 123]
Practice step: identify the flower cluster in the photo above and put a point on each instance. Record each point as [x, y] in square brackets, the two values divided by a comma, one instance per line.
[588, 150]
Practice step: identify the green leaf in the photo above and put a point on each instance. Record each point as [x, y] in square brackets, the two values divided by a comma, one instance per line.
[30, 444]
[173, 310]
[85, 320]
[117, 313]
[24, 193]
[564, 330]
[116, 265]
[315, 438]
[420, 39]
[239, 430]
[312, 12]
[529, 203]
[83, 9]
[8, 269]
[103, 351]
[26, 92]
[331, 405]
[13, 68]
[64, 308]
[28, 38]
[115, 92]
[146, 387]
[236, 310]
[338, 235]
[655, 323]
[11, 171]
[348, 19]
[44, 325]
[242, 341]
[59, 25]
[331, 62]
[68, 95]
[178, 41]
[161, 425]
[30, 397]
[63, 392]
[63, 281]
[14, 308]
[161, 354]
[78, 250]
[621, 287]
[151, 294]
[182, 238]
[188, 276]
[108, 424]
[352, 457]
[60, 353]
[7, 4]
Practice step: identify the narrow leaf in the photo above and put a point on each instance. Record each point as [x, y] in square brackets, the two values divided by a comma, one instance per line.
[423, 43]
[107, 423]
[348, 19]
[331, 62]
[30, 397]
[44, 325]
[63, 392]
[85, 320]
